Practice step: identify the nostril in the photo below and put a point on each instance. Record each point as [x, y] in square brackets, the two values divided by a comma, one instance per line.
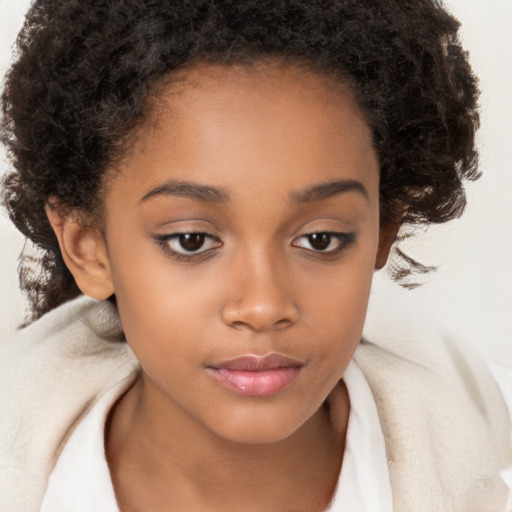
[282, 324]
[239, 325]
[259, 325]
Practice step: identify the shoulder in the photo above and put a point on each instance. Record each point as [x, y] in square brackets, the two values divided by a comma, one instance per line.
[51, 373]
[444, 417]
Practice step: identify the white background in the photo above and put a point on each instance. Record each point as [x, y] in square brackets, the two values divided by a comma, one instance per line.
[471, 292]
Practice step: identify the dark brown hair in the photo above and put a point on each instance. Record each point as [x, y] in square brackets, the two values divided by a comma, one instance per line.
[84, 71]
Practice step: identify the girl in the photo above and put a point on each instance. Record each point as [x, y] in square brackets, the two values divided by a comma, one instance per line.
[212, 185]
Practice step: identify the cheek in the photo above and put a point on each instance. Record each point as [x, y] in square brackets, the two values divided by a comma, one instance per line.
[336, 309]
[340, 293]
[340, 319]
[163, 307]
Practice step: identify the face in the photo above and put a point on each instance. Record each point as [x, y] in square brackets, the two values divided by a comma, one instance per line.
[242, 233]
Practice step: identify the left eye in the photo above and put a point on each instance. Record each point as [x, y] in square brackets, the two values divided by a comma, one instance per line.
[191, 243]
[325, 242]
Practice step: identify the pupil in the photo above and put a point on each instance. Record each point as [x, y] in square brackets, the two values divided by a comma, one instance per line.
[192, 241]
[319, 241]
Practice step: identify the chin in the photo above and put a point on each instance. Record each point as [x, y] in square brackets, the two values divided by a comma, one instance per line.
[256, 436]
[259, 427]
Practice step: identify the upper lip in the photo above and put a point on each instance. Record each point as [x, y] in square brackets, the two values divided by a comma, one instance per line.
[255, 363]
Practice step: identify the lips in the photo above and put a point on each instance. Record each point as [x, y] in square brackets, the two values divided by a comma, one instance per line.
[252, 375]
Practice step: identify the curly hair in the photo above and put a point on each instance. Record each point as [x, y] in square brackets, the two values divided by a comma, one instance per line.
[85, 70]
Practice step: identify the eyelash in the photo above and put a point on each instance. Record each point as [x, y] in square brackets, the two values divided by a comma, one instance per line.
[346, 240]
[165, 240]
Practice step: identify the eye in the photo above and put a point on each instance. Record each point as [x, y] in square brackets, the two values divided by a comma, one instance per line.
[325, 242]
[188, 244]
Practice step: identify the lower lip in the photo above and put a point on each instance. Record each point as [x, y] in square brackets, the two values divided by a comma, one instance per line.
[256, 383]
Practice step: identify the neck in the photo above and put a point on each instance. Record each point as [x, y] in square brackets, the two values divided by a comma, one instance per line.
[150, 441]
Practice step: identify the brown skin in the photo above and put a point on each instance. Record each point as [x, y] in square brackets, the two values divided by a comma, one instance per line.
[177, 440]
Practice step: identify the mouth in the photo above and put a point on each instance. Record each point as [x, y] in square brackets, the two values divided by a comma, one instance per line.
[252, 375]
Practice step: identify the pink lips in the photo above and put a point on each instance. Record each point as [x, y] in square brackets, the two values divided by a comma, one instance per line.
[252, 375]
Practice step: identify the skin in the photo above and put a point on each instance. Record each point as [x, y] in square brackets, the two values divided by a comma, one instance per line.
[268, 140]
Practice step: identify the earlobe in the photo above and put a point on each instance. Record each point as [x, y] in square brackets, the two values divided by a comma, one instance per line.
[387, 236]
[84, 252]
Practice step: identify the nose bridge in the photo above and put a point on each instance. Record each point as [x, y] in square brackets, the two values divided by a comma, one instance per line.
[260, 295]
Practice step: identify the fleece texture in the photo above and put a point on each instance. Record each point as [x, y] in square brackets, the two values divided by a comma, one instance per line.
[51, 374]
[444, 419]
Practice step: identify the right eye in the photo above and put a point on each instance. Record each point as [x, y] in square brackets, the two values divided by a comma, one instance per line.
[189, 244]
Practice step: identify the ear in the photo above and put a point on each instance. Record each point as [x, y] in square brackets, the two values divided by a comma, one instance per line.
[387, 236]
[84, 252]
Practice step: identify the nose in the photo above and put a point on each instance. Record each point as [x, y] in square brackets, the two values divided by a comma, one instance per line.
[260, 296]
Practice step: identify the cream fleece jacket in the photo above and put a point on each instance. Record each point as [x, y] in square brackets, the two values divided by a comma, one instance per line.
[445, 422]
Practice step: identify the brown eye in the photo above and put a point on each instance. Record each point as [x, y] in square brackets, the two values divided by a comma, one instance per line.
[319, 241]
[192, 242]
[189, 244]
[325, 242]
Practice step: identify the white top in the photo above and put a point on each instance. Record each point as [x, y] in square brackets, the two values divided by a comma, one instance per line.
[80, 481]
[364, 483]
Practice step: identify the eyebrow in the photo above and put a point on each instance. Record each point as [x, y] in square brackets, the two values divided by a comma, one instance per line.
[191, 190]
[327, 190]
[212, 194]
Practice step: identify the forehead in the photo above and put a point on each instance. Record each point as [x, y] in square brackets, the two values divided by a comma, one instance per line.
[285, 125]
